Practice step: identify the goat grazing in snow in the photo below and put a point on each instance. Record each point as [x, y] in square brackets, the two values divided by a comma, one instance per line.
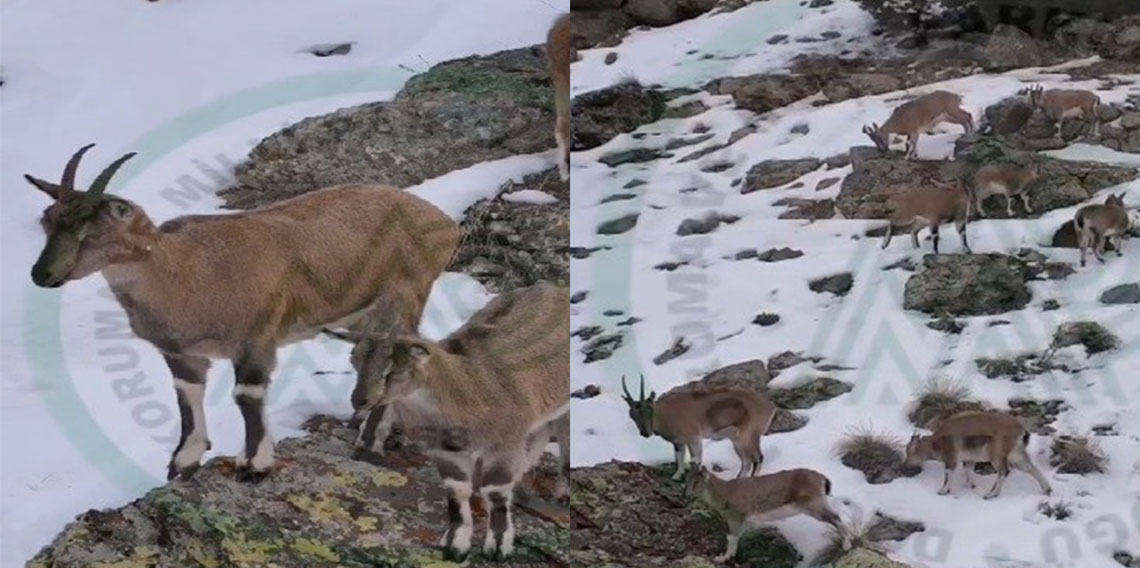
[237, 286]
[687, 415]
[487, 398]
[976, 436]
[558, 50]
[917, 116]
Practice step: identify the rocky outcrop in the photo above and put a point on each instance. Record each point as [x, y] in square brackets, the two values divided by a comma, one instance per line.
[774, 173]
[633, 515]
[509, 244]
[1122, 294]
[596, 117]
[318, 508]
[457, 114]
[1017, 124]
[1118, 38]
[962, 285]
[604, 23]
[876, 177]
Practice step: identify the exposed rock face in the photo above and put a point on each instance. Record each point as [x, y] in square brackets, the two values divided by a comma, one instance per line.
[1021, 126]
[604, 23]
[774, 173]
[596, 117]
[962, 285]
[1090, 334]
[1116, 39]
[906, 15]
[1008, 48]
[633, 515]
[508, 244]
[457, 114]
[837, 284]
[319, 508]
[875, 178]
[1122, 294]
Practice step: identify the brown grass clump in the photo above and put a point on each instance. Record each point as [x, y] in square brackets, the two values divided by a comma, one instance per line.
[940, 399]
[879, 455]
[1078, 454]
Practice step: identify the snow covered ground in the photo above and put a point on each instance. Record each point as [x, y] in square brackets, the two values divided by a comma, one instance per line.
[87, 415]
[711, 301]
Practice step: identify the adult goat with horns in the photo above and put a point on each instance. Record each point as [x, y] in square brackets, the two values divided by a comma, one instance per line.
[237, 286]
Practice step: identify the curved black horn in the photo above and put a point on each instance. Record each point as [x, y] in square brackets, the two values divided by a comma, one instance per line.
[104, 178]
[68, 179]
[642, 387]
[625, 389]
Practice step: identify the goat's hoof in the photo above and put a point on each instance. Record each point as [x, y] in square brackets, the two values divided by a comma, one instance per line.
[496, 554]
[989, 496]
[454, 554]
[183, 473]
[366, 455]
[944, 492]
[249, 475]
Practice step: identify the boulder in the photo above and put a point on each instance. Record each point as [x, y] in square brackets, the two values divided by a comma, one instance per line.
[836, 284]
[774, 173]
[457, 114]
[965, 285]
[596, 117]
[1010, 48]
[318, 508]
[875, 178]
[1122, 294]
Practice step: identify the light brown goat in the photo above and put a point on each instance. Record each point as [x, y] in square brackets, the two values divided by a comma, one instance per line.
[922, 207]
[976, 436]
[748, 502]
[238, 286]
[1096, 224]
[920, 115]
[687, 415]
[487, 398]
[1060, 104]
[558, 51]
[1007, 180]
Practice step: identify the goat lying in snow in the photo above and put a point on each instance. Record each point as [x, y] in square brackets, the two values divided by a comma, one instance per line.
[489, 397]
[238, 286]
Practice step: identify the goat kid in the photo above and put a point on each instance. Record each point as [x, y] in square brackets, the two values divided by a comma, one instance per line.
[976, 436]
[917, 116]
[237, 286]
[1059, 104]
[487, 398]
[1098, 223]
[751, 501]
[558, 50]
[687, 415]
[923, 207]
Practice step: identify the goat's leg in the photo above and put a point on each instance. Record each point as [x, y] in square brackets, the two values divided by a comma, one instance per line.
[679, 459]
[1025, 201]
[819, 510]
[1118, 244]
[696, 452]
[190, 387]
[950, 467]
[963, 118]
[562, 429]
[252, 382]
[912, 146]
[562, 137]
[961, 224]
[887, 237]
[1098, 247]
[457, 470]
[1020, 460]
[1002, 471]
[373, 433]
[1008, 205]
[914, 233]
[969, 468]
[736, 528]
[500, 474]
[934, 233]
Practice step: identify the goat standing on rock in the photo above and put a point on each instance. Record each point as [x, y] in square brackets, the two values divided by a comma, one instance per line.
[238, 286]
[487, 399]
[918, 116]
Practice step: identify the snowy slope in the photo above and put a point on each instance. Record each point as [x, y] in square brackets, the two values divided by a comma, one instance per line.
[890, 351]
[87, 413]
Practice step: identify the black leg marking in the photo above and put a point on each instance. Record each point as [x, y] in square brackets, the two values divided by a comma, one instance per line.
[454, 518]
[500, 513]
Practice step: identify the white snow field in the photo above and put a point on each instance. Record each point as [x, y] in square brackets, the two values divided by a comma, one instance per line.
[87, 411]
[711, 301]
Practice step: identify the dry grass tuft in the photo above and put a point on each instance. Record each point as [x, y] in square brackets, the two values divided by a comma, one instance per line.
[879, 455]
[1060, 510]
[939, 399]
[1078, 454]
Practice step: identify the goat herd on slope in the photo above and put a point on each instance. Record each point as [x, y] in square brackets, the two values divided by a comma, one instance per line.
[699, 410]
[483, 403]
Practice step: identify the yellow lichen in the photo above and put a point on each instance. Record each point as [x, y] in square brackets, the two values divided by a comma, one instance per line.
[311, 547]
[322, 509]
[388, 478]
[194, 549]
[242, 551]
[366, 523]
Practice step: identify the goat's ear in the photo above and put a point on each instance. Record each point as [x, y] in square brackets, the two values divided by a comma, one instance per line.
[121, 210]
[343, 336]
[53, 190]
[414, 347]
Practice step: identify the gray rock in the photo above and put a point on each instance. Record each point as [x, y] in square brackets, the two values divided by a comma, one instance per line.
[619, 225]
[806, 208]
[748, 373]
[599, 28]
[596, 117]
[766, 319]
[1093, 336]
[632, 156]
[678, 348]
[602, 347]
[837, 284]
[962, 285]
[776, 255]
[774, 173]
[809, 394]
[784, 360]
[705, 225]
[1122, 294]
[1009, 48]
[457, 114]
